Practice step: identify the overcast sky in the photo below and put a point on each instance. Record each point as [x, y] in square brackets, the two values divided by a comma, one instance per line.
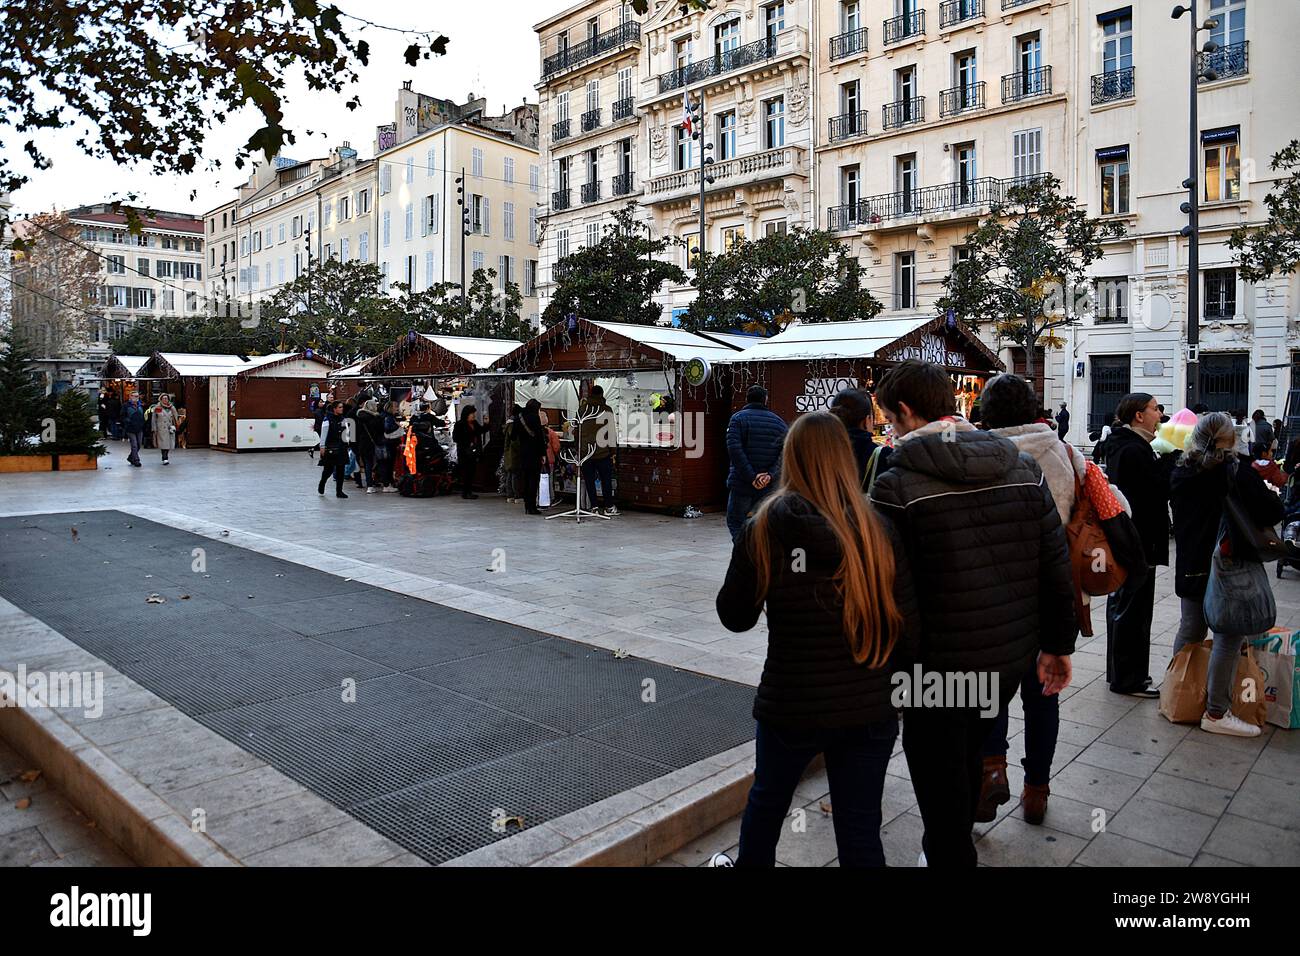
[493, 52]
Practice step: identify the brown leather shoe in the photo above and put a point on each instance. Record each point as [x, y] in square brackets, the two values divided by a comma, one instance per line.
[1034, 802]
[994, 791]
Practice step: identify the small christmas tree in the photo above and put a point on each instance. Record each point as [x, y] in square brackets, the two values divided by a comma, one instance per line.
[75, 432]
[22, 401]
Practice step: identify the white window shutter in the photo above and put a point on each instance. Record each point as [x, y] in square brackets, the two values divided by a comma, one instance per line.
[437, 217]
[424, 216]
[487, 217]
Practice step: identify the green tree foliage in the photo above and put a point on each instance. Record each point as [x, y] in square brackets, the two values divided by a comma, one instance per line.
[1026, 273]
[1274, 249]
[616, 279]
[22, 400]
[761, 286]
[75, 429]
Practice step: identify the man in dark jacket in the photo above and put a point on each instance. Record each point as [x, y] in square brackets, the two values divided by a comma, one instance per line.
[1263, 434]
[133, 425]
[1062, 422]
[853, 407]
[599, 436]
[1134, 469]
[755, 436]
[992, 576]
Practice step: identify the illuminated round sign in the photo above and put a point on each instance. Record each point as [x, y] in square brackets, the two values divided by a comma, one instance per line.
[696, 371]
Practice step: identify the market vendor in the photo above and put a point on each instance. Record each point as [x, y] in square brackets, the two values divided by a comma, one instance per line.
[597, 440]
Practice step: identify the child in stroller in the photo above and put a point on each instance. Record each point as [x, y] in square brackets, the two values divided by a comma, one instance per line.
[432, 474]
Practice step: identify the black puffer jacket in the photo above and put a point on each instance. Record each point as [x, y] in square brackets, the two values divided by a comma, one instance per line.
[1197, 496]
[1133, 468]
[810, 680]
[987, 552]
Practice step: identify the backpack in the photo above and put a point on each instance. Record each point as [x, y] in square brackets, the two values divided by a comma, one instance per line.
[1092, 563]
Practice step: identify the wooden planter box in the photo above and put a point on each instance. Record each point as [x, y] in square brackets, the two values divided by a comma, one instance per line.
[16, 464]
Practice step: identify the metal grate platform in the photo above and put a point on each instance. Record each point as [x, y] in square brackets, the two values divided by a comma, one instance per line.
[455, 716]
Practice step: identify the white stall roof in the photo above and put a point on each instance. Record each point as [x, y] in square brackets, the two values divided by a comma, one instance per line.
[481, 353]
[737, 340]
[829, 340]
[199, 365]
[678, 343]
[349, 371]
[132, 363]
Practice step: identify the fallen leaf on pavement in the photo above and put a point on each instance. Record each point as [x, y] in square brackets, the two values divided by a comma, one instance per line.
[31, 776]
[826, 806]
[620, 654]
[155, 599]
[23, 804]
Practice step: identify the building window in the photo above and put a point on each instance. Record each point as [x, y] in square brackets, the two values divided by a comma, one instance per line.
[432, 213]
[905, 174]
[1117, 44]
[1220, 293]
[429, 159]
[384, 230]
[692, 249]
[593, 234]
[410, 169]
[1222, 154]
[479, 259]
[1114, 180]
[116, 265]
[508, 169]
[731, 236]
[344, 251]
[682, 149]
[385, 179]
[410, 272]
[561, 243]
[343, 208]
[476, 162]
[534, 176]
[1112, 301]
[726, 37]
[726, 138]
[775, 227]
[849, 188]
[508, 224]
[363, 202]
[1026, 153]
[774, 123]
[410, 221]
[905, 280]
[774, 20]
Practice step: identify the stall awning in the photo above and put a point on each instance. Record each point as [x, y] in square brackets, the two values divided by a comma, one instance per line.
[890, 339]
[123, 366]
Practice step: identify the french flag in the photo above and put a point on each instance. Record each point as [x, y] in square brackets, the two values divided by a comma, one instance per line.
[686, 114]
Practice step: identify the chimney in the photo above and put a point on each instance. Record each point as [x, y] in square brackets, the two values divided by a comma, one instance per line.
[406, 84]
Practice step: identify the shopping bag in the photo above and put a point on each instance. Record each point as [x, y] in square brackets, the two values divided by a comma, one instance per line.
[351, 466]
[1248, 700]
[1182, 693]
[544, 492]
[1239, 597]
[1276, 653]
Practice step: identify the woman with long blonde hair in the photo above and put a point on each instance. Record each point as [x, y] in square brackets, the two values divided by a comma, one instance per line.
[834, 581]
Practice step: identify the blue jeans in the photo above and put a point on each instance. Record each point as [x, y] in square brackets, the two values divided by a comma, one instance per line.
[1042, 723]
[603, 469]
[856, 758]
[1223, 656]
[740, 505]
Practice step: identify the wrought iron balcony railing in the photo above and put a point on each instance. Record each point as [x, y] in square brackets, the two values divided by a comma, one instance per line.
[953, 12]
[561, 199]
[591, 191]
[1113, 85]
[946, 197]
[621, 185]
[590, 120]
[1012, 4]
[621, 109]
[587, 49]
[1226, 61]
[1026, 84]
[847, 44]
[560, 131]
[719, 63]
[961, 99]
[847, 125]
[903, 113]
[900, 28]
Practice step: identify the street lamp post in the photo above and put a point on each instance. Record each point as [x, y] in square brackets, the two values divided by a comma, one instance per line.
[1192, 206]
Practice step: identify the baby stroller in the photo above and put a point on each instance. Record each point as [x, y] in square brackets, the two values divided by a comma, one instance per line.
[1290, 530]
[432, 475]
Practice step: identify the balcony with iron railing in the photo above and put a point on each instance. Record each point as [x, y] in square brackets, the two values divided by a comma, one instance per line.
[580, 53]
[1012, 4]
[1226, 61]
[621, 185]
[848, 125]
[590, 120]
[1113, 85]
[561, 199]
[955, 12]
[728, 173]
[621, 109]
[961, 99]
[591, 191]
[718, 64]
[904, 27]
[560, 131]
[847, 44]
[1026, 84]
[967, 197]
[902, 113]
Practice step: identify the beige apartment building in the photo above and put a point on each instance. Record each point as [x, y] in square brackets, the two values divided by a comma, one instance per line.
[590, 125]
[437, 154]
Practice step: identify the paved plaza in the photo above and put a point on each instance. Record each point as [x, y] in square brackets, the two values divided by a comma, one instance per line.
[643, 586]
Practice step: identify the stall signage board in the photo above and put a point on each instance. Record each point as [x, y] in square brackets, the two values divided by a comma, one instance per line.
[930, 348]
[818, 392]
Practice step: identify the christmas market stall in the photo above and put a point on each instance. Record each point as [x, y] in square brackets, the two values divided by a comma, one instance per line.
[806, 365]
[242, 402]
[436, 374]
[669, 389]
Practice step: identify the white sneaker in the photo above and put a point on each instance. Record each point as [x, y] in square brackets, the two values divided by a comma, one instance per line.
[920, 860]
[1229, 724]
[166, 462]
[612, 512]
[371, 490]
[721, 859]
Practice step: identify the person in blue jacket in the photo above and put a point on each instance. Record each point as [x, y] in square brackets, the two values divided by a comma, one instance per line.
[755, 437]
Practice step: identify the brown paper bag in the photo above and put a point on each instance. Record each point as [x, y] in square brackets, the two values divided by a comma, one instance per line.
[1182, 693]
[1250, 683]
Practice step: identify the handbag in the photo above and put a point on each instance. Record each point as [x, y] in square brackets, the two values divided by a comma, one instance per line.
[1249, 541]
[381, 451]
[1238, 597]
